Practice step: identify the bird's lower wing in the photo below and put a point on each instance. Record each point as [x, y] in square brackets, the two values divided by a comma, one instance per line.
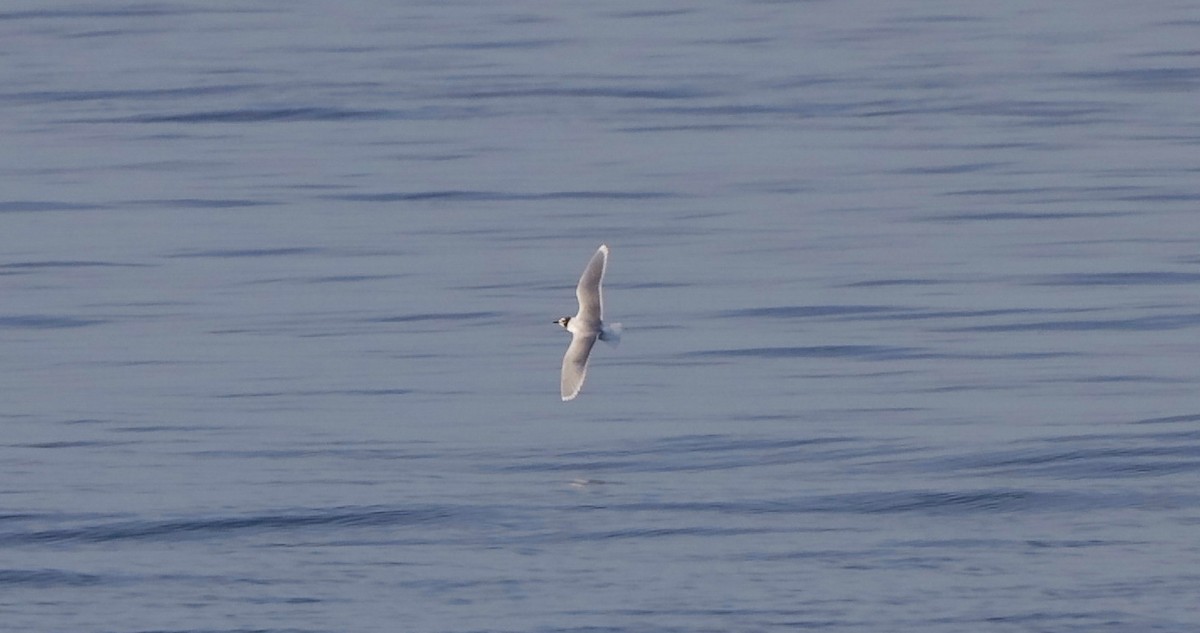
[574, 366]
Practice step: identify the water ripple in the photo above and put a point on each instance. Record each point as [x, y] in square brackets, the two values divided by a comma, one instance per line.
[31, 206]
[1119, 279]
[249, 252]
[1145, 323]
[45, 322]
[931, 502]
[48, 578]
[51, 264]
[308, 393]
[259, 116]
[862, 352]
[802, 312]
[229, 526]
[435, 316]
[485, 196]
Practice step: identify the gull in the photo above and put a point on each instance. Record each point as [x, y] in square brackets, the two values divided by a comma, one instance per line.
[587, 325]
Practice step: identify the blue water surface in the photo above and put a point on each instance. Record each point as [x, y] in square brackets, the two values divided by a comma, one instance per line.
[911, 294]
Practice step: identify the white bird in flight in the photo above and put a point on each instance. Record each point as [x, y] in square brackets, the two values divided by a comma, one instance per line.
[587, 325]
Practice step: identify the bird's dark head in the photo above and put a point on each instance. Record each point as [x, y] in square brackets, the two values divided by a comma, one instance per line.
[563, 321]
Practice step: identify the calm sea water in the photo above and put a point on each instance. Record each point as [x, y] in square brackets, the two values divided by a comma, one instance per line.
[911, 290]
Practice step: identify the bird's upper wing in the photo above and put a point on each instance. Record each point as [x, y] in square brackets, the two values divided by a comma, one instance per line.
[574, 366]
[591, 303]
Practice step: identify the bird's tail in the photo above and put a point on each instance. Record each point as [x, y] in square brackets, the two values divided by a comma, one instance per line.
[611, 333]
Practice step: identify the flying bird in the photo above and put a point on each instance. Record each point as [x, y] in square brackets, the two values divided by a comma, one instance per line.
[587, 325]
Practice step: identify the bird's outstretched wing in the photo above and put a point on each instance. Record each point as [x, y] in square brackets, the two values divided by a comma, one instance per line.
[591, 303]
[574, 366]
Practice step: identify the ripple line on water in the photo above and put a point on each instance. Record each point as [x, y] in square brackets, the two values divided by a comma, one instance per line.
[226, 526]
